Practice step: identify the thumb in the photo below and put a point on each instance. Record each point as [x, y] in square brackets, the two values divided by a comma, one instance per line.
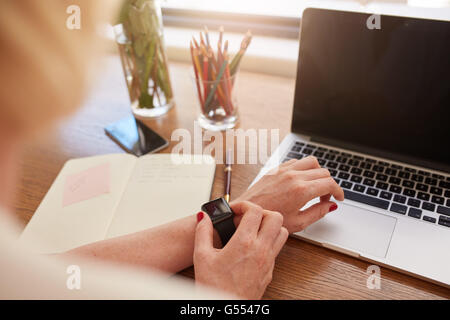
[203, 233]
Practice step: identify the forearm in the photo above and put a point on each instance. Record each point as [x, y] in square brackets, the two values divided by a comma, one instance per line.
[168, 248]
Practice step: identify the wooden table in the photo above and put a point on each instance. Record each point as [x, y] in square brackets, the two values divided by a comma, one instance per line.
[303, 271]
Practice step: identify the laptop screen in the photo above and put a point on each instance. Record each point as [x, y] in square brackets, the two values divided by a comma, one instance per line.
[385, 90]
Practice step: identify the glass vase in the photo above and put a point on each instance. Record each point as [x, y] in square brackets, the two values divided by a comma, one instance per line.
[141, 47]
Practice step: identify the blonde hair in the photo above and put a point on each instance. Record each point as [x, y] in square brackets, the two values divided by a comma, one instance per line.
[43, 63]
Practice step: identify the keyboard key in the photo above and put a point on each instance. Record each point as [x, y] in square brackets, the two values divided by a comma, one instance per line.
[403, 175]
[332, 165]
[369, 182]
[444, 184]
[394, 180]
[400, 199]
[415, 213]
[444, 221]
[396, 166]
[344, 167]
[410, 170]
[395, 189]
[344, 154]
[296, 148]
[383, 163]
[381, 177]
[371, 160]
[334, 151]
[398, 208]
[443, 210]
[330, 156]
[358, 157]
[417, 178]
[378, 168]
[429, 219]
[428, 206]
[369, 174]
[338, 181]
[298, 143]
[359, 188]
[424, 173]
[353, 162]
[293, 155]
[322, 149]
[408, 184]
[343, 175]
[423, 196]
[346, 185]
[409, 192]
[318, 154]
[447, 194]
[431, 181]
[341, 159]
[382, 185]
[421, 187]
[308, 151]
[311, 146]
[386, 195]
[437, 200]
[414, 203]
[365, 165]
[436, 191]
[390, 172]
[448, 203]
[356, 171]
[356, 179]
[321, 161]
[333, 172]
[372, 192]
[371, 201]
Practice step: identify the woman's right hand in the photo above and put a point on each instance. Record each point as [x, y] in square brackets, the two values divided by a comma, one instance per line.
[244, 266]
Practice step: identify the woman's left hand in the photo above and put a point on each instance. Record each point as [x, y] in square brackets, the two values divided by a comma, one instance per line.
[290, 187]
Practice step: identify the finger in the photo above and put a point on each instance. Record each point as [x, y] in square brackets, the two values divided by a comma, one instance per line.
[270, 226]
[309, 162]
[325, 198]
[250, 222]
[314, 213]
[280, 240]
[204, 234]
[314, 174]
[321, 187]
[241, 207]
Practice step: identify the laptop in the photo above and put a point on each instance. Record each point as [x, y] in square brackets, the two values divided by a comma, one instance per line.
[373, 105]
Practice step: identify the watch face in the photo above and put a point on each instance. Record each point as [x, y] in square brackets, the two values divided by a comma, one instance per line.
[217, 209]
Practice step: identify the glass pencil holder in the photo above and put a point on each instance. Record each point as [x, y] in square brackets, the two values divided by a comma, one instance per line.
[217, 101]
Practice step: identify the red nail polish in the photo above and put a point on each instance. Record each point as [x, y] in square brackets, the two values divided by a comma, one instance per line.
[333, 207]
[199, 216]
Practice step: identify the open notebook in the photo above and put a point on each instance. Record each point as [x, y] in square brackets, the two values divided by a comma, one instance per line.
[106, 196]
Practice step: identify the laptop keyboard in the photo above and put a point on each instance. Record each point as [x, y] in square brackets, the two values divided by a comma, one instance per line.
[400, 189]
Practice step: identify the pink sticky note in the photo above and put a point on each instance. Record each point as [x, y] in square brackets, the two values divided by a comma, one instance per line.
[87, 184]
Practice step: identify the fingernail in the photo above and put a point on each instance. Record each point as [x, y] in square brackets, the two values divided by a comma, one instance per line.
[199, 216]
[333, 207]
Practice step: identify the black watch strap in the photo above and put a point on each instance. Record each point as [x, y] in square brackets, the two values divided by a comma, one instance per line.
[225, 229]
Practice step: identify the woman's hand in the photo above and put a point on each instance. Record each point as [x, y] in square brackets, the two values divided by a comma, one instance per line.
[288, 189]
[244, 266]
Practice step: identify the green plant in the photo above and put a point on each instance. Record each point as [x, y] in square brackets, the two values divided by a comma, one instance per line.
[142, 27]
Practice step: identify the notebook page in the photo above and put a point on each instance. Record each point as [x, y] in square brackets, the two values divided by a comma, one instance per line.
[160, 191]
[73, 213]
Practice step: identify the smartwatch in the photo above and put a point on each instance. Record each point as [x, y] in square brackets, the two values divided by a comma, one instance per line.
[222, 218]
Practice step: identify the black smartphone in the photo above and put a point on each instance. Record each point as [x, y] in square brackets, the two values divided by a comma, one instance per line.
[135, 137]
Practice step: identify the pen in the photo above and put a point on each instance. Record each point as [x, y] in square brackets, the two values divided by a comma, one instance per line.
[228, 161]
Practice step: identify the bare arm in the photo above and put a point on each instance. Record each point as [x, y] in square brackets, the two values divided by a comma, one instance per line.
[168, 248]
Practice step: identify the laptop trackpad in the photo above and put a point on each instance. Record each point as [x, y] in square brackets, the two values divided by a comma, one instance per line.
[360, 230]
